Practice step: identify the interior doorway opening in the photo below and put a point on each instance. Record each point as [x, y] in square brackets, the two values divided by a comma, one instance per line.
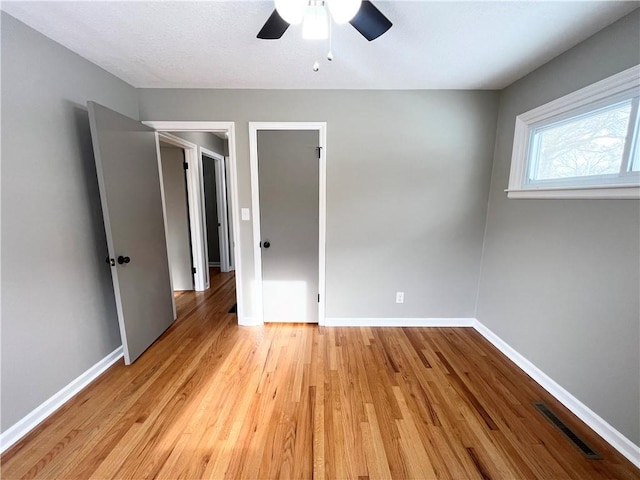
[188, 136]
[218, 231]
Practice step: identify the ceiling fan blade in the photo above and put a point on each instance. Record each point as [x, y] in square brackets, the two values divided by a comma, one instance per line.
[370, 21]
[273, 28]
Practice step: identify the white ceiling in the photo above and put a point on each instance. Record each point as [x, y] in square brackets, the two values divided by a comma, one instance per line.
[432, 45]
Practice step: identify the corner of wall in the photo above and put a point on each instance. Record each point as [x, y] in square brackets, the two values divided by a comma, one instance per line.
[488, 209]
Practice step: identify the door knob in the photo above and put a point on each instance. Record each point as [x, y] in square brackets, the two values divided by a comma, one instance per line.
[122, 259]
[266, 244]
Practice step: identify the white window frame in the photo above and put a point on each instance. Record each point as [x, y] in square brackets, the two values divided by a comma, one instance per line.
[612, 90]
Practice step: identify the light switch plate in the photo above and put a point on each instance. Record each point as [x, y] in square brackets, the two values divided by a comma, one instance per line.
[245, 214]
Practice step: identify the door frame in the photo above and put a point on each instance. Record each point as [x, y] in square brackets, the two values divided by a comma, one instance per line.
[221, 209]
[227, 176]
[196, 172]
[201, 277]
[321, 128]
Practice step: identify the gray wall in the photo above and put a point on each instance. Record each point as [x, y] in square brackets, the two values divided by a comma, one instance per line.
[58, 309]
[404, 214]
[211, 207]
[560, 278]
[204, 139]
[178, 235]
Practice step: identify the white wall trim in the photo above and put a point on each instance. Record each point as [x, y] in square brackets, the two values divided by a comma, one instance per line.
[227, 173]
[250, 322]
[14, 433]
[621, 82]
[321, 128]
[399, 322]
[616, 439]
[230, 129]
[621, 192]
[214, 264]
[255, 220]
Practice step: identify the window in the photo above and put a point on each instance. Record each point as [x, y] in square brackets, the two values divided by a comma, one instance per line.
[583, 145]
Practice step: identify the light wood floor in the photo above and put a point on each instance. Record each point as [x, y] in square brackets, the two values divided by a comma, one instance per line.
[214, 400]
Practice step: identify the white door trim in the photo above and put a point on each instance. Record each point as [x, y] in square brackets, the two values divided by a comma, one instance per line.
[230, 129]
[227, 176]
[321, 127]
[221, 204]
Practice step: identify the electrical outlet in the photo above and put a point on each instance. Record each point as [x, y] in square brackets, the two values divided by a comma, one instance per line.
[399, 297]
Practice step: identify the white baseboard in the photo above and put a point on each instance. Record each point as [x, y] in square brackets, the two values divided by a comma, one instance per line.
[616, 439]
[214, 264]
[29, 422]
[249, 322]
[399, 322]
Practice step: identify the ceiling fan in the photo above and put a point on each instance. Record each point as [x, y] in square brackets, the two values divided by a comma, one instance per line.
[316, 16]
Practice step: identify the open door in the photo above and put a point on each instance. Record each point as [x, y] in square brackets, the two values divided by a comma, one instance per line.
[126, 154]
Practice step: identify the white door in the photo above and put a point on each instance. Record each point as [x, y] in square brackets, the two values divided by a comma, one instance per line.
[288, 176]
[130, 191]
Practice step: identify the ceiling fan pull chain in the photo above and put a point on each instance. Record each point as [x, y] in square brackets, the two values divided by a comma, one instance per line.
[316, 64]
[330, 54]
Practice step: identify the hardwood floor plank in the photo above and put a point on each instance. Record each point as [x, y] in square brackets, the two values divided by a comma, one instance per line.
[214, 400]
[377, 456]
[319, 425]
[418, 461]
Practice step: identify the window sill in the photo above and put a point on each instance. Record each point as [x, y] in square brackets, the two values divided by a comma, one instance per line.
[625, 192]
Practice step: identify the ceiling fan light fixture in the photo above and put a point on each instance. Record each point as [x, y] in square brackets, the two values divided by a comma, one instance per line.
[343, 11]
[291, 11]
[315, 25]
